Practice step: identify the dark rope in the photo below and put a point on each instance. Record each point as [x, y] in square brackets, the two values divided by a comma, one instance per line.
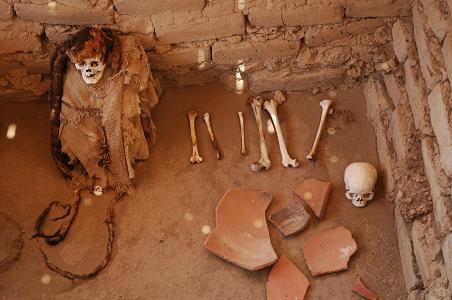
[60, 235]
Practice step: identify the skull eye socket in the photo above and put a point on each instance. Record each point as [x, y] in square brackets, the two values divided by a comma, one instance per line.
[367, 195]
[94, 64]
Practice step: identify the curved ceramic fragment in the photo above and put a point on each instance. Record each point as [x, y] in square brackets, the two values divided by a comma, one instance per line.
[290, 220]
[329, 251]
[241, 234]
[315, 194]
[362, 290]
[286, 281]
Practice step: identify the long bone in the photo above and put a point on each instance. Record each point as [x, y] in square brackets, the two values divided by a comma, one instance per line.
[195, 157]
[264, 161]
[325, 104]
[212, 136]
[242, 133]
[287, 161]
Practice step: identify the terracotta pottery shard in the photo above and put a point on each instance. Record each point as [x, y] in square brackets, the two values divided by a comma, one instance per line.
[315, 194]
[286, 281]
[290, 220]
[329, 251]
[361, 289]
[241, 233]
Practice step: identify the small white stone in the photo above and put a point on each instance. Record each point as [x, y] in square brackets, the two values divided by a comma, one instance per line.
[188, 217]
[45, 279]
[11, 132]
[205, 229]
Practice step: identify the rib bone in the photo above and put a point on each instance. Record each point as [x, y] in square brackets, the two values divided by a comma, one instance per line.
[325, 104]
[264, 162]
[271, 107]
[212, 136]
[195, 157]
[242, 132]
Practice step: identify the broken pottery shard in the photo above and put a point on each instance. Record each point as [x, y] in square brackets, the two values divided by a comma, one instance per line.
[286, 281]
[315, 194]
[241, 234]
[290, 220]
[361, 289]
[329, 251]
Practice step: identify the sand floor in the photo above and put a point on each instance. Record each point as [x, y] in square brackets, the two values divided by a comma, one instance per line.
[159, 251]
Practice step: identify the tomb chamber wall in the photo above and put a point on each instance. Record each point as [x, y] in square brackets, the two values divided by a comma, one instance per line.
[411, 111]
[286, 44]
[400, 51]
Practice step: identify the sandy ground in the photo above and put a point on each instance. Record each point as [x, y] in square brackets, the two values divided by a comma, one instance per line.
[158, 251]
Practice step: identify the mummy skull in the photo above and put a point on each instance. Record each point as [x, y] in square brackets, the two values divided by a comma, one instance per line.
[360, 179]
[92, 69]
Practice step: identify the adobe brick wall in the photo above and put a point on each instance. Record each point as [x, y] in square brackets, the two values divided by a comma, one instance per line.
[415, 133]
[287, 44]
[400, 50]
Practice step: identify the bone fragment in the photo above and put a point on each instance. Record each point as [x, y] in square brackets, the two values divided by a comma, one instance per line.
[97, 190]
[287, 161]
[279, 97]
[129, 164]
[325, 104]
[264, 162]
[195, 157]
[242, 133]
[212, 136]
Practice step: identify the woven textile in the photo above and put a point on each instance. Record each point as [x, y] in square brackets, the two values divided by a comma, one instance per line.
[114, 105]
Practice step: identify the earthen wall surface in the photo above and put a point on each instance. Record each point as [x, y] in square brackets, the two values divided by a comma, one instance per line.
[411, 110]
[285, 44]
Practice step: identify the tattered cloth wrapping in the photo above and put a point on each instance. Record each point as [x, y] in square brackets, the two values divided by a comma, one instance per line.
[101, 124]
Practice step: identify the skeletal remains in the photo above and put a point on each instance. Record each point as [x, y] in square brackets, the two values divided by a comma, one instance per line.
[271, 107]
[242, 133]
[325, 104]
[195, 157]
[212, 136]
[264, 161]
[360, 179]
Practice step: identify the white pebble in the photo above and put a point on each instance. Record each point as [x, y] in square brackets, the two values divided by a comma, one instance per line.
[205, 229]
[11, 132]
[45, 279]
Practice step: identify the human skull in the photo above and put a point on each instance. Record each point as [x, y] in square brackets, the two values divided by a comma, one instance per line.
[360, 179]
[97, 190]
[92, 69]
